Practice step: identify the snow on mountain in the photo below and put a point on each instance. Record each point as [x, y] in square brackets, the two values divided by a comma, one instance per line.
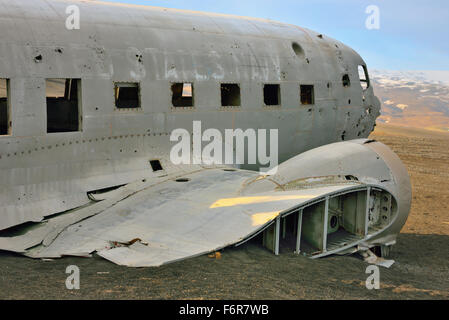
[413, 98]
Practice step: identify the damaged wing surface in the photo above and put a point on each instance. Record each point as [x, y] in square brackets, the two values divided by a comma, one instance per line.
[151, 225]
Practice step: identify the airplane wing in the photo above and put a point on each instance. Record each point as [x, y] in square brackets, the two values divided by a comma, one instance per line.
[174, 220]
[151, 223]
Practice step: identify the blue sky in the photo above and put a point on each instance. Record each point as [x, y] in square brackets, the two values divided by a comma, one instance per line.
[413, 34]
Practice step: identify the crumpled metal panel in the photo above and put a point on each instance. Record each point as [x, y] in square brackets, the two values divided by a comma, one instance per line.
[173, 220]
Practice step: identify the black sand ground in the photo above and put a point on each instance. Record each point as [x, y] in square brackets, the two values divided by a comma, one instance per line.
[249, 272]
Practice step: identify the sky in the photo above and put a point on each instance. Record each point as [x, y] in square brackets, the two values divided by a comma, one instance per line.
[412, 34]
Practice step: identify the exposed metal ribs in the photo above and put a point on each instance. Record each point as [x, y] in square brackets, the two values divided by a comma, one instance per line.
[342, 239]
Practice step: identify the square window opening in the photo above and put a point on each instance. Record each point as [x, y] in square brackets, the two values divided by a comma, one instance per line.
[5, 122]
[272, 94]
[63, 105]
[307, 94]
[182, 94]
[230, 95]
[127, 95]
[156, 165]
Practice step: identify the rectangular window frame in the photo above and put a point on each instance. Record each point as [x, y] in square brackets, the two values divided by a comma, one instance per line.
[279, 98]
[8, 109]
[236, 106]
[301, 94]
[127, 84]
[174, 104]
[78, 101]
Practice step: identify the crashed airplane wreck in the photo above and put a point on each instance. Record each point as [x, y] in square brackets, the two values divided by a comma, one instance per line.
[87, 115]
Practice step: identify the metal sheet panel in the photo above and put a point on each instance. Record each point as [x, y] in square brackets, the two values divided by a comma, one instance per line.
[174, 220]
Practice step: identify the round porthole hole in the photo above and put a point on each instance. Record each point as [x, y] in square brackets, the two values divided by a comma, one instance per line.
[299, 51]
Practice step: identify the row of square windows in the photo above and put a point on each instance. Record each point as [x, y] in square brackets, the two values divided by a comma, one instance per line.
[183, 95]
[63, 96]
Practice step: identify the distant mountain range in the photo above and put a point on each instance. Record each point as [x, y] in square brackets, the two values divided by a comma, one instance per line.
[413, 98]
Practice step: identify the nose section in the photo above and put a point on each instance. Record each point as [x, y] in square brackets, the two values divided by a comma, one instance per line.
[372, 106]
[375, 106]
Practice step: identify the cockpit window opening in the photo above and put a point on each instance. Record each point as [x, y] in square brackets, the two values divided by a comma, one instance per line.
[5, 122]
[307, 94]
[346, 81]
[182, 94]
[63, 105]
[363, 76]
[272, 94]
[127, 95]
[230, 95]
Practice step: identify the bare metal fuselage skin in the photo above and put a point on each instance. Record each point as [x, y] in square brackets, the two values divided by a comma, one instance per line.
[45, 173]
